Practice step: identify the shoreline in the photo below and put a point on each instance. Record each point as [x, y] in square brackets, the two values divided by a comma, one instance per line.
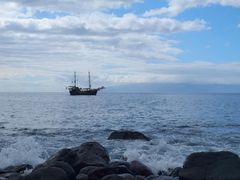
[91, 161]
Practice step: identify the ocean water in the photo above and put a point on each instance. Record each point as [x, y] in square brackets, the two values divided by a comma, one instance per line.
[33, 126]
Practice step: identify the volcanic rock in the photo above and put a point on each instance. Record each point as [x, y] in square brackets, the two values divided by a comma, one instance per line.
[128, 135]
[49, 173]
[221, 165]
[139, 168]
[87, 154]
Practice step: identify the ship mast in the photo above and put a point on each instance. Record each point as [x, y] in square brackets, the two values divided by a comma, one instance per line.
[75, 79]
[89, 80]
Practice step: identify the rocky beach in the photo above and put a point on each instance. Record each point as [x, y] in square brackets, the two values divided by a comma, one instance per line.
[91, 161]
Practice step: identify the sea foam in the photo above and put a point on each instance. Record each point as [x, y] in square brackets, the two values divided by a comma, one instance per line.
[157, 155]
[22, 151]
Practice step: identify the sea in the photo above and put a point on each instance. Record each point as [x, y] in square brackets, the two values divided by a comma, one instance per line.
[34, 126]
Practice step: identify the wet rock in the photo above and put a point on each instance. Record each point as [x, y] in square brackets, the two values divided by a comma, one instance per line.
[82, 177]
[119, 163]
[153, 177]
[195, 173]
[119, 177]
[104, 171]
[14, 172]
[87, 154]
[139, 168]
[49, 173]
[10, 176]
[88, 170]
[222, 165]
[175, 172]
[18, 169]
[65, 155]
[128, 135]
[64, 166]
[58, 164]
[139, 177]
[16, 177]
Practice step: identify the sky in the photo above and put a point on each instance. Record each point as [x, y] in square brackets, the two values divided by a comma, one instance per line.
[121, 42]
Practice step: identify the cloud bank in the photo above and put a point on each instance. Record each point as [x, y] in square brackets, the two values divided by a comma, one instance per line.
[176, 7]
[43, 42]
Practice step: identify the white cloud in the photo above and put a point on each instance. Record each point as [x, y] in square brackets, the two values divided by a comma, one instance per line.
[118, 49]
[100, 23]
[176, 7]
[57, 76]
[72, 6]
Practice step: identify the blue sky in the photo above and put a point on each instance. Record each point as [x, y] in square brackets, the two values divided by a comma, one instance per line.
[121, 42]
[218, 44]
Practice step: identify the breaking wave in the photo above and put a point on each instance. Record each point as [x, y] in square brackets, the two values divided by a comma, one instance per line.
[23, 151]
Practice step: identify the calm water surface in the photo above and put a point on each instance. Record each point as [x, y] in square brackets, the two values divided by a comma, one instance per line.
[35, 125]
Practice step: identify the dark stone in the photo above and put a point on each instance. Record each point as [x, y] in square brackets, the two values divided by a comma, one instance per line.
[87, 170]
[87, 154]
[64, 166]
[18, 169]
[82, 177]
[104, 171]
[65, 155]
[16, 177]
[139, 168]
[195, 173]
[128, 135]
[153, 177]
[175, 172]
[139, 177]
[222, 165]
[120, 163]
[119, 177]
[50, 173]
[11, 176]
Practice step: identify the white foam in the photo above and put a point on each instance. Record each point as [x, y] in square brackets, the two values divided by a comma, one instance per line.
[24, 150]
[157, 155]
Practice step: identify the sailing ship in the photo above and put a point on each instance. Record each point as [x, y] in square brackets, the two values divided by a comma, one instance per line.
[75, 90]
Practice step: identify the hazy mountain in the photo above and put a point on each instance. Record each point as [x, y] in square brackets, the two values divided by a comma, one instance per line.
[173, 88]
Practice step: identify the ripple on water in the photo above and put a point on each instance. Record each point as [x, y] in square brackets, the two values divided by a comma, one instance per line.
[178, 124]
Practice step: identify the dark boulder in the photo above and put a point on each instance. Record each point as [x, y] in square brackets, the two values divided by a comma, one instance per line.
[50, 173]
[119, 163]
[139, 168]
[64, 166]
[104, 171]
[65, 155]
[119, 177]
[194, 173]
[87, 154]
[128, 135]
[11, 176]
[153, 177]
[138, 177]
[18, 169]
[222, 165]
[175, 172]
[82, 177]
[88, 170]
[14, 172]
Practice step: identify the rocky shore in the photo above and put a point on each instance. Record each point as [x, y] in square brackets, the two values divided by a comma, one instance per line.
[91, 161]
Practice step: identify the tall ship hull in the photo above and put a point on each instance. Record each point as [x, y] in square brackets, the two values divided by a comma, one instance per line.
[78, 91]
[75, 90]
